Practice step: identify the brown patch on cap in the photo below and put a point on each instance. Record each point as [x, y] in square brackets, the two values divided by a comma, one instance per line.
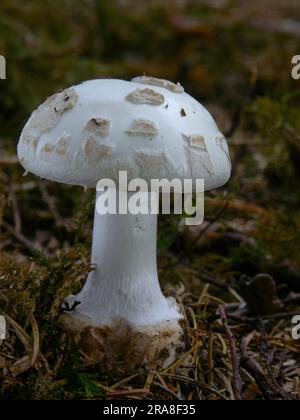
[61, 144]
[29, 138]
[154, 162]
[47, 148]
[146, 96]
[195, 141]
[175, 88]
[203, 159]
[48, 115]
[197, 154]
[63, 101]
[46, 152]
[222, 144]
[97, 127]
[110, 168]
[96, 152]
[142, 127]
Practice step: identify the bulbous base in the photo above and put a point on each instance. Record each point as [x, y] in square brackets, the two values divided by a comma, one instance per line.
[124, 346]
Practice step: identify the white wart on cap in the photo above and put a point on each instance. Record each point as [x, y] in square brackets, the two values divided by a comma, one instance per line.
[148, 127]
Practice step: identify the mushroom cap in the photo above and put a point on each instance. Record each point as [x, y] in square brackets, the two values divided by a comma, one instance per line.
[148, 127]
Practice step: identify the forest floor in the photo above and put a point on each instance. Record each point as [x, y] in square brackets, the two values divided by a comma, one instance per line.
[237, 276]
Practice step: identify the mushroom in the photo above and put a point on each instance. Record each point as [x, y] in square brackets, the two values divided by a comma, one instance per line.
[150, 128]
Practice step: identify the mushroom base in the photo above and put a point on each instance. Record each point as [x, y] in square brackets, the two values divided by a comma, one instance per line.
[121, 346]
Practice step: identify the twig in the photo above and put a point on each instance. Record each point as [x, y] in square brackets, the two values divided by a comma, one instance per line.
[5, 160]
[210, 360]
[237, 380]
[51, 204]
[36, 340]
[218, 216]
[16, 211]
[20, 237]
[210, 279]
[264, 383]
[292, 298]
[240, 206]
[167, 390]
[128, 392]
[269, 354]
[122, 382]
[279, 315]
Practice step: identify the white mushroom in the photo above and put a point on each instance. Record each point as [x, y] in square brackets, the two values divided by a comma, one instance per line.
[150, 128]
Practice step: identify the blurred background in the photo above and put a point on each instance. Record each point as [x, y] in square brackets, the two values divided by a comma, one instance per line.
[234, 56]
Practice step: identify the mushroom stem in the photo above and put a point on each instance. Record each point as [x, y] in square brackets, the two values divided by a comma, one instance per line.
[123, 317]
[124, 283]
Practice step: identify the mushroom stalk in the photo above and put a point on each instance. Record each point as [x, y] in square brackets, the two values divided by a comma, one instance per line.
[124, 283]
